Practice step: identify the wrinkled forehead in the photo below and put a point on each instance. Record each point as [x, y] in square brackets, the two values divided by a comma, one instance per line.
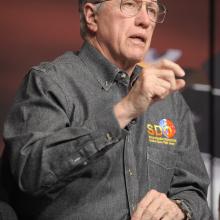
[81, 2]
[84, 1]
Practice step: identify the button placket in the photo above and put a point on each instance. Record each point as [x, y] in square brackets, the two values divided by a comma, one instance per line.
[130, 174]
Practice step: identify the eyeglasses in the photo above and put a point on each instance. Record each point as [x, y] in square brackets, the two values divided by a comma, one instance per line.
[130, 8]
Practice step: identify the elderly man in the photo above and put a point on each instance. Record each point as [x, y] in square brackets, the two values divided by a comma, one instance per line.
[92, 135]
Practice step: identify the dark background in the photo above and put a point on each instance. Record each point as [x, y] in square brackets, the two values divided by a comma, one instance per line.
[33, 31]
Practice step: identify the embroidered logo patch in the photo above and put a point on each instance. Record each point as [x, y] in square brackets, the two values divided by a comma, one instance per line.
[162, 133]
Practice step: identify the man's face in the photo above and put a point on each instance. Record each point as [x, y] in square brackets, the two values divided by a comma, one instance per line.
[122, 40]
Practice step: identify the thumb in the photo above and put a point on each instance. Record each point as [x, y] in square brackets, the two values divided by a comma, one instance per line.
[180, 84]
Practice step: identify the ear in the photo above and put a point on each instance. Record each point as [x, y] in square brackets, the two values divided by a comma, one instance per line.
[90, 17]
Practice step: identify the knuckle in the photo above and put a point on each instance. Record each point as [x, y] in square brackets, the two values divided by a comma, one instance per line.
[163, 196]
[153, 191]
[164, 92]
[141, 206]
[170, 74]
[164, 62]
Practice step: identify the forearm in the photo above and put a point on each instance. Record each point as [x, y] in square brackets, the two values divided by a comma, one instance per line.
[122, 114]
[43, 160]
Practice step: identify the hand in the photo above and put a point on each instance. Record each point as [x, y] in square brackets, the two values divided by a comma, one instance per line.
[157, 206]
[156, 82]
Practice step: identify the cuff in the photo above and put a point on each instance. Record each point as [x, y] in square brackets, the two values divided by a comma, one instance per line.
[184, 208]
[108, 130]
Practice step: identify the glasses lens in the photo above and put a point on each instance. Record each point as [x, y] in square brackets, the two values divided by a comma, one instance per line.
[153, 11]
[130, 7]
[156, 11]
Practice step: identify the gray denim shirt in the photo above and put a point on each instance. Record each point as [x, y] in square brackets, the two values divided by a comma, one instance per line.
[70, 158]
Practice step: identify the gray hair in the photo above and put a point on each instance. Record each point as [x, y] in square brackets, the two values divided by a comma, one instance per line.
[83, 25]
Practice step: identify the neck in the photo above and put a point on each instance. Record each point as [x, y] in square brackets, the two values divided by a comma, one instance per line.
[124, 65]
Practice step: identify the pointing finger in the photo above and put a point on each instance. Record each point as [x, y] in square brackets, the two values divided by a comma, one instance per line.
[168, 64]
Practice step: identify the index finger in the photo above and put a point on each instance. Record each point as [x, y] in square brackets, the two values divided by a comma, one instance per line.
[143, 204]
[168, 64]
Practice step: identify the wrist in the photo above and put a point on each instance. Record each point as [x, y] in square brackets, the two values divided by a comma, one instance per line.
[123, 113]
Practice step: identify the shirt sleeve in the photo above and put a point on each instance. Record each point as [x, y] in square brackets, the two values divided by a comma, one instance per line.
[46, 151]
[190, 181]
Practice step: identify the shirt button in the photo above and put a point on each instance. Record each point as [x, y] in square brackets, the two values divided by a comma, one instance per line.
[123, 75]
[130, 172]
[74, 161]
[133, 122]
[109, 136]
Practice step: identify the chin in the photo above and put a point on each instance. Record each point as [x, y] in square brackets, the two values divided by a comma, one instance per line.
[136, 54]
[136, 58]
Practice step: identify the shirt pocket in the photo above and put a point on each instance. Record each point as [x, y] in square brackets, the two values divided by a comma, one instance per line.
[161, 164]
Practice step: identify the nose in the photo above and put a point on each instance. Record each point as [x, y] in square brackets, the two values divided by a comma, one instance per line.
[142, 18]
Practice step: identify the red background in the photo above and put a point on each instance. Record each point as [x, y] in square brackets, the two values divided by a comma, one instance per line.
[35, 31]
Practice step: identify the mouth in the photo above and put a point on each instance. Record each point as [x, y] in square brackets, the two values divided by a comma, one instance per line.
[139, 38]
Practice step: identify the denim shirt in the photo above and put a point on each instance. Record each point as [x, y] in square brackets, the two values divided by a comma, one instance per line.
[71, 160]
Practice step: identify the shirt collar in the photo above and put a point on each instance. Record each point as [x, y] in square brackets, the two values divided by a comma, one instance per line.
[135, 74]
[98, 65]
[101, 68]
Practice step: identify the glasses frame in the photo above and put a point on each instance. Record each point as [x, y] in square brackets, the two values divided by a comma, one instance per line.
[163, 13]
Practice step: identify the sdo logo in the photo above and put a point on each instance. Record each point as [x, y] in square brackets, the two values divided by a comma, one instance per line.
[165, 127]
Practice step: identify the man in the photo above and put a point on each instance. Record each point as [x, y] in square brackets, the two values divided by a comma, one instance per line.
[92, 135]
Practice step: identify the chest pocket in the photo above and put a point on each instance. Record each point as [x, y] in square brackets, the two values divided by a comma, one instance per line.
[161, 164]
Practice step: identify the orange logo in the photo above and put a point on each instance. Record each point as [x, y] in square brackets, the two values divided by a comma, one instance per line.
[162, 133]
